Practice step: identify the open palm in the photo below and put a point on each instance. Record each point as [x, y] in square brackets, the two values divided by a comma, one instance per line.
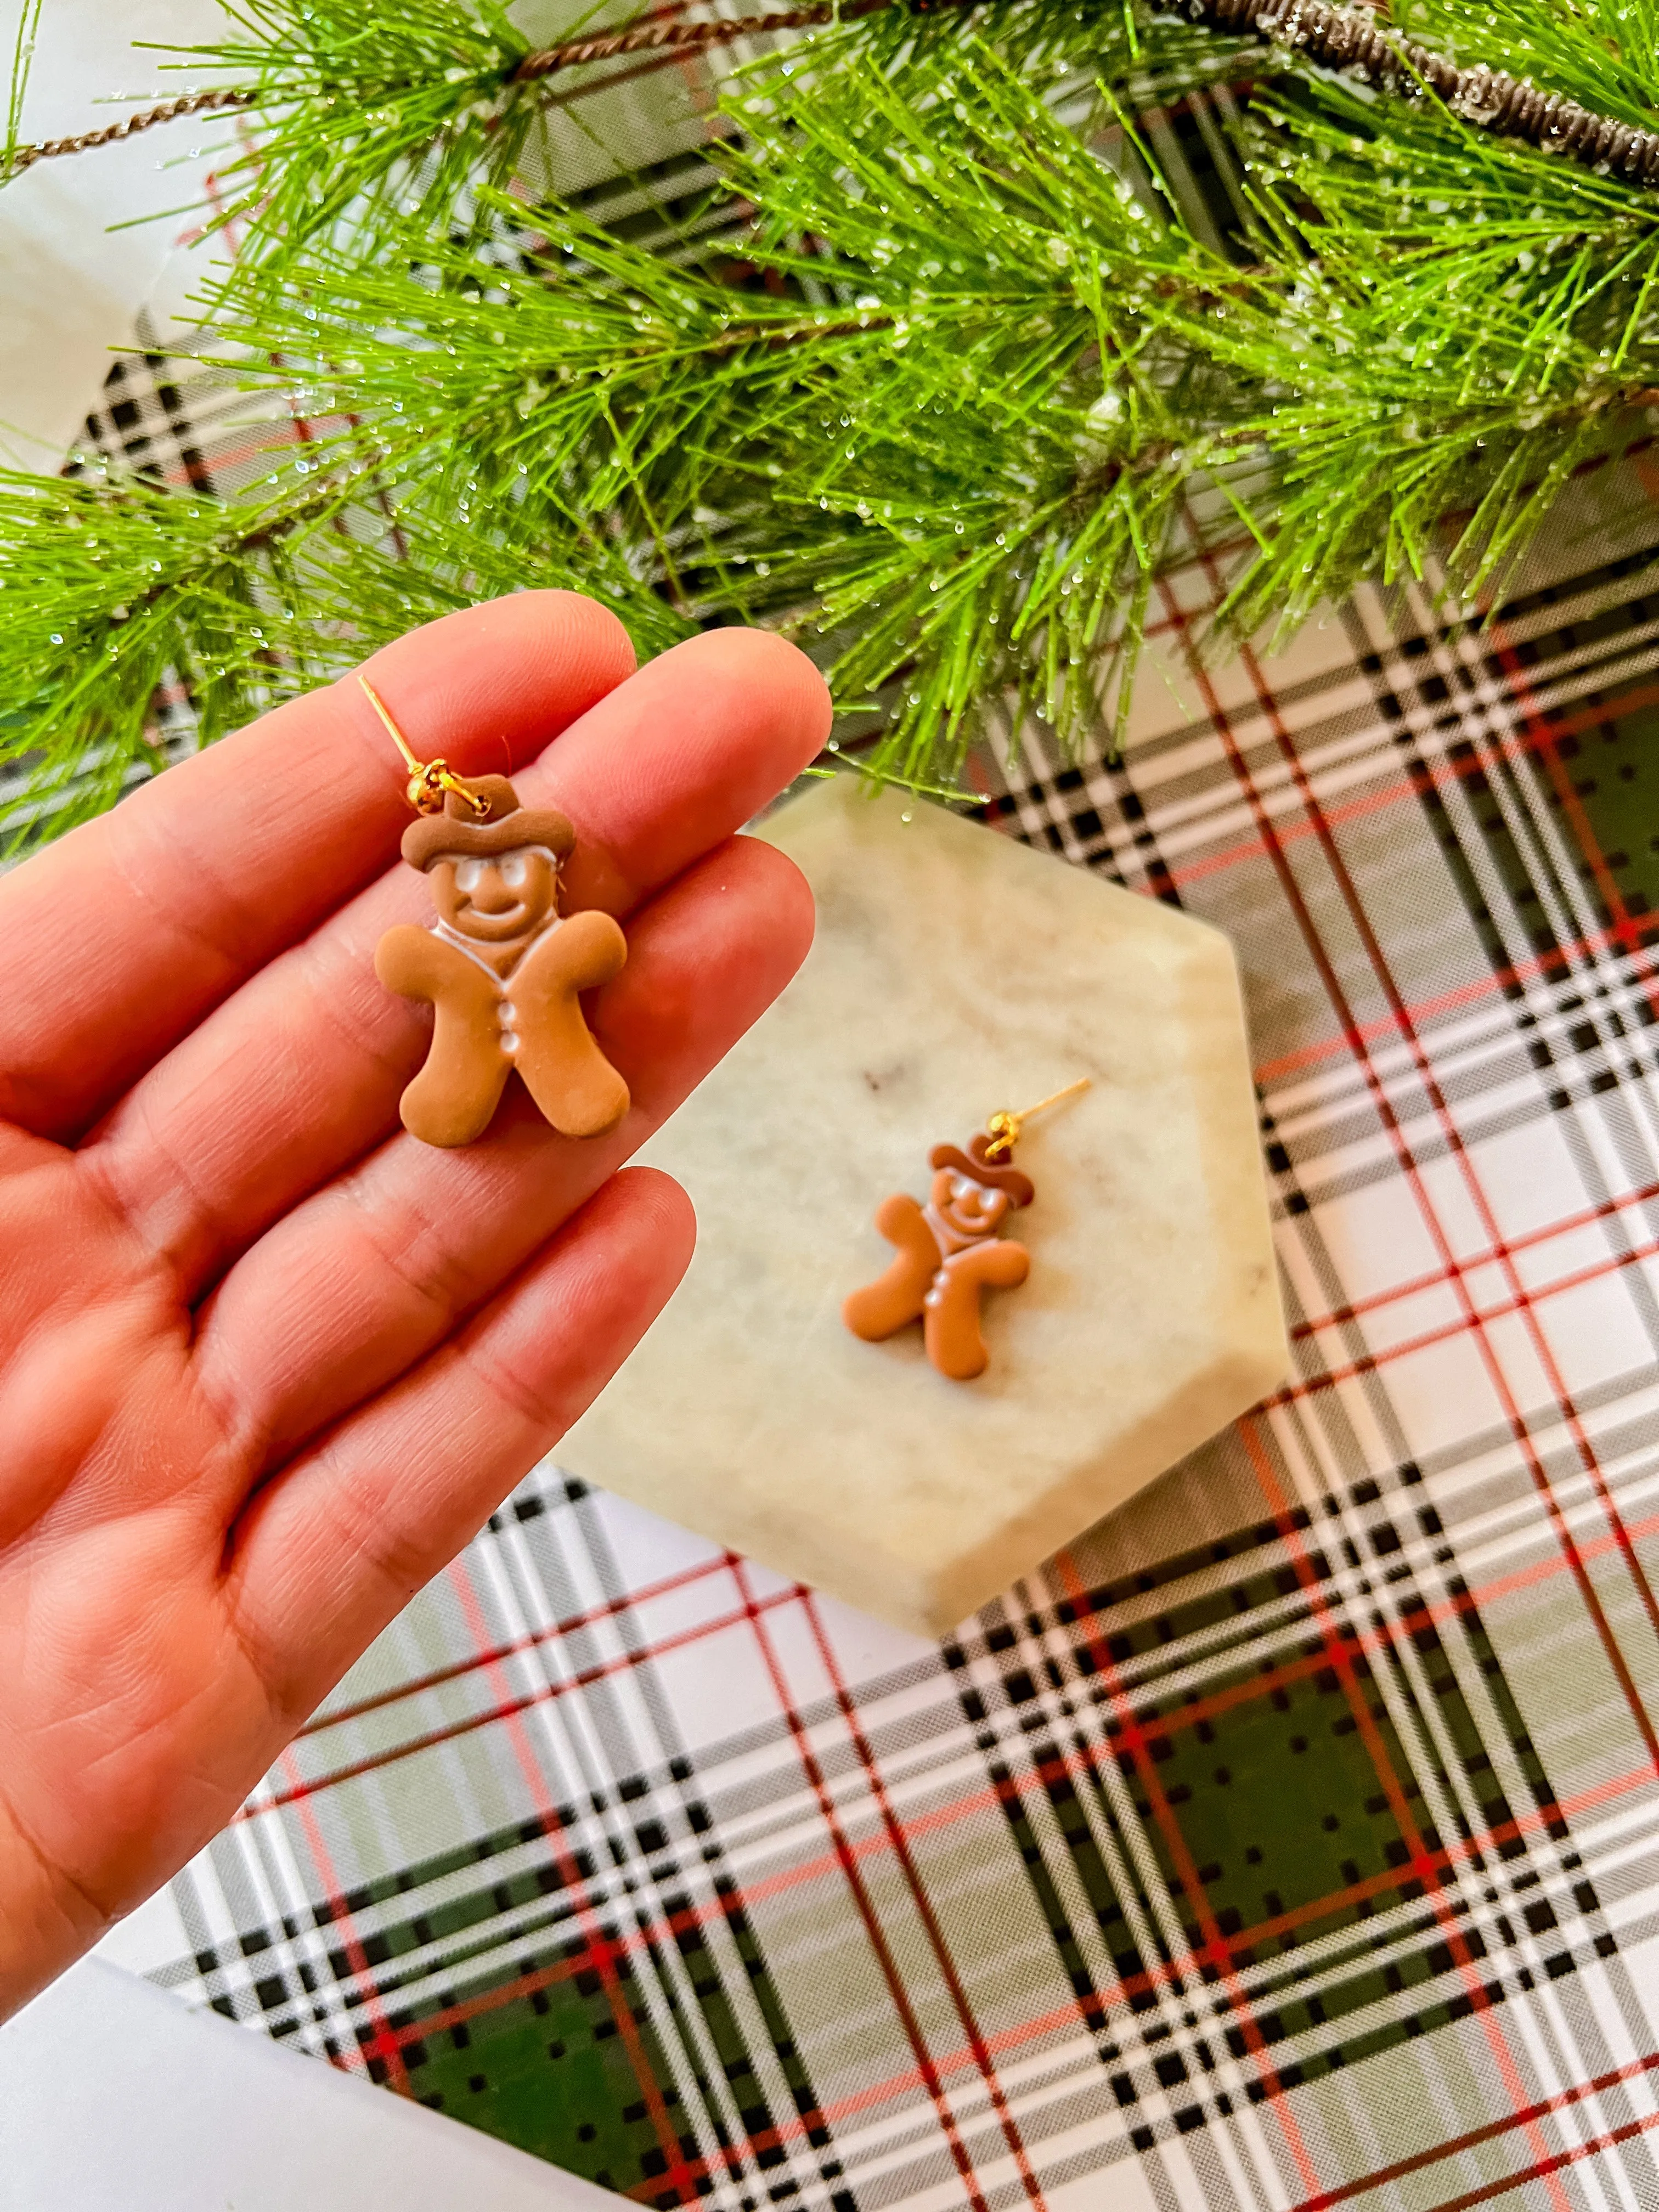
[266, 1362]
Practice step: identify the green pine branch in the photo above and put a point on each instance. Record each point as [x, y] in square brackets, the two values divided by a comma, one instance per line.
[954, 370]
[362, 111]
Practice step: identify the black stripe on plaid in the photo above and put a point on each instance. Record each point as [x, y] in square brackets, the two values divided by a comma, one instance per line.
[1066, 811]
[1362, 1958]
[478, 1975]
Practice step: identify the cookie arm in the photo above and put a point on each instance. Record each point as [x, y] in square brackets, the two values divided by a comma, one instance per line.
[408, 961]
[884, 1306]
[586, 950]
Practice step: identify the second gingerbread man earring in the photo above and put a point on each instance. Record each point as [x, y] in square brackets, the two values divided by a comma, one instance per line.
[501, 969]
[948, 1250]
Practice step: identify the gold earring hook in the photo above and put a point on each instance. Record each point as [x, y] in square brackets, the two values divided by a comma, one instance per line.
[1003, 1129]
[429, 781]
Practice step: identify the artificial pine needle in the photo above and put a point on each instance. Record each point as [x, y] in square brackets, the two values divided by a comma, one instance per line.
[989, 379]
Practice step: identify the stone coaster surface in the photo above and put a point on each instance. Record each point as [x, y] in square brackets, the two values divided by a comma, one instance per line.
[954, 972]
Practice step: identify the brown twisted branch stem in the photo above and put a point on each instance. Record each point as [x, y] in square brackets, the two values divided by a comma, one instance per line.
[167, 111]
[1350, 39]
[643, 38]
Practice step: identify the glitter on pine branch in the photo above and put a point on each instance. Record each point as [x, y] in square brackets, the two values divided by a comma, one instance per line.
[950, 372]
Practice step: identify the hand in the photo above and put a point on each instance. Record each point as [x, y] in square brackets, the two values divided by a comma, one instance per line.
[266, 1362]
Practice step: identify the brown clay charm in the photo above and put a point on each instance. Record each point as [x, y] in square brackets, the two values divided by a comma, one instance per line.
[948, 1252]
[502, 971]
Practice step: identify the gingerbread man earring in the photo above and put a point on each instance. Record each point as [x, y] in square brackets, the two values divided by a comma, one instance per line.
[502, 968]
[949, 1249]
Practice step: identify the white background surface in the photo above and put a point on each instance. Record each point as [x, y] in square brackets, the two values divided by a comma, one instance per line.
[113, 2098]
[70, 286]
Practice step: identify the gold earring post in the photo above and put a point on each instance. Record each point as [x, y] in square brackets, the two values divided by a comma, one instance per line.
[429, 781]
[1003, 1129]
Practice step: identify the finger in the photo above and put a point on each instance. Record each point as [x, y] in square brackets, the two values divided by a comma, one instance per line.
[370, 1274]
[333, 1548]
[300, 1073]
[119, 938]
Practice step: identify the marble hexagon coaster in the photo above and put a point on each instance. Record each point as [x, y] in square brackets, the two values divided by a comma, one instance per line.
[954, 972]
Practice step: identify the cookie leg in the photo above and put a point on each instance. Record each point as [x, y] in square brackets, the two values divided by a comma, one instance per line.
[566, 1073]
[453, 1098]
[951, 1331]
[571, 1080]
[956, 1344]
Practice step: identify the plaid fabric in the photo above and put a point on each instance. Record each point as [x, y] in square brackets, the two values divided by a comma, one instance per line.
[1293, 1840]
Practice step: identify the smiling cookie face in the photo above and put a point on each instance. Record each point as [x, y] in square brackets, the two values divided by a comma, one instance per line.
[969, 1207]
[496, 898]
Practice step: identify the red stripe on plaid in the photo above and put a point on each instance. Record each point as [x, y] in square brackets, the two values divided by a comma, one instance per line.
[1474, 1187]
[602, 1954]
[1490, 2132]
[1381, 1639]
[1444, 1857]
[1631, 932]
[383, 2044]
[1492, 985]
[337, 1715]
[1547, 2168]
[1184, 874]
[1437, 775]
[846, 1859]
[1530, 1240]
[1451, 1136]
[1367, 1641]
[1150, 1728]
[1422, 1862]
[1367, 1363]
[1543, 732]
[506, 1709]
[982, 2049]
[1215, 1951]
[1071, 1766]
[966, 2058]
[1092, 2012]
[894, 1829]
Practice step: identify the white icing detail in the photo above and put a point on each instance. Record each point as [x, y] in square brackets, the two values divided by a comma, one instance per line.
[465, 945]
[514, 867]
[472, 861]
[933, 1298]
[506, 1013]
[952, 1243]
